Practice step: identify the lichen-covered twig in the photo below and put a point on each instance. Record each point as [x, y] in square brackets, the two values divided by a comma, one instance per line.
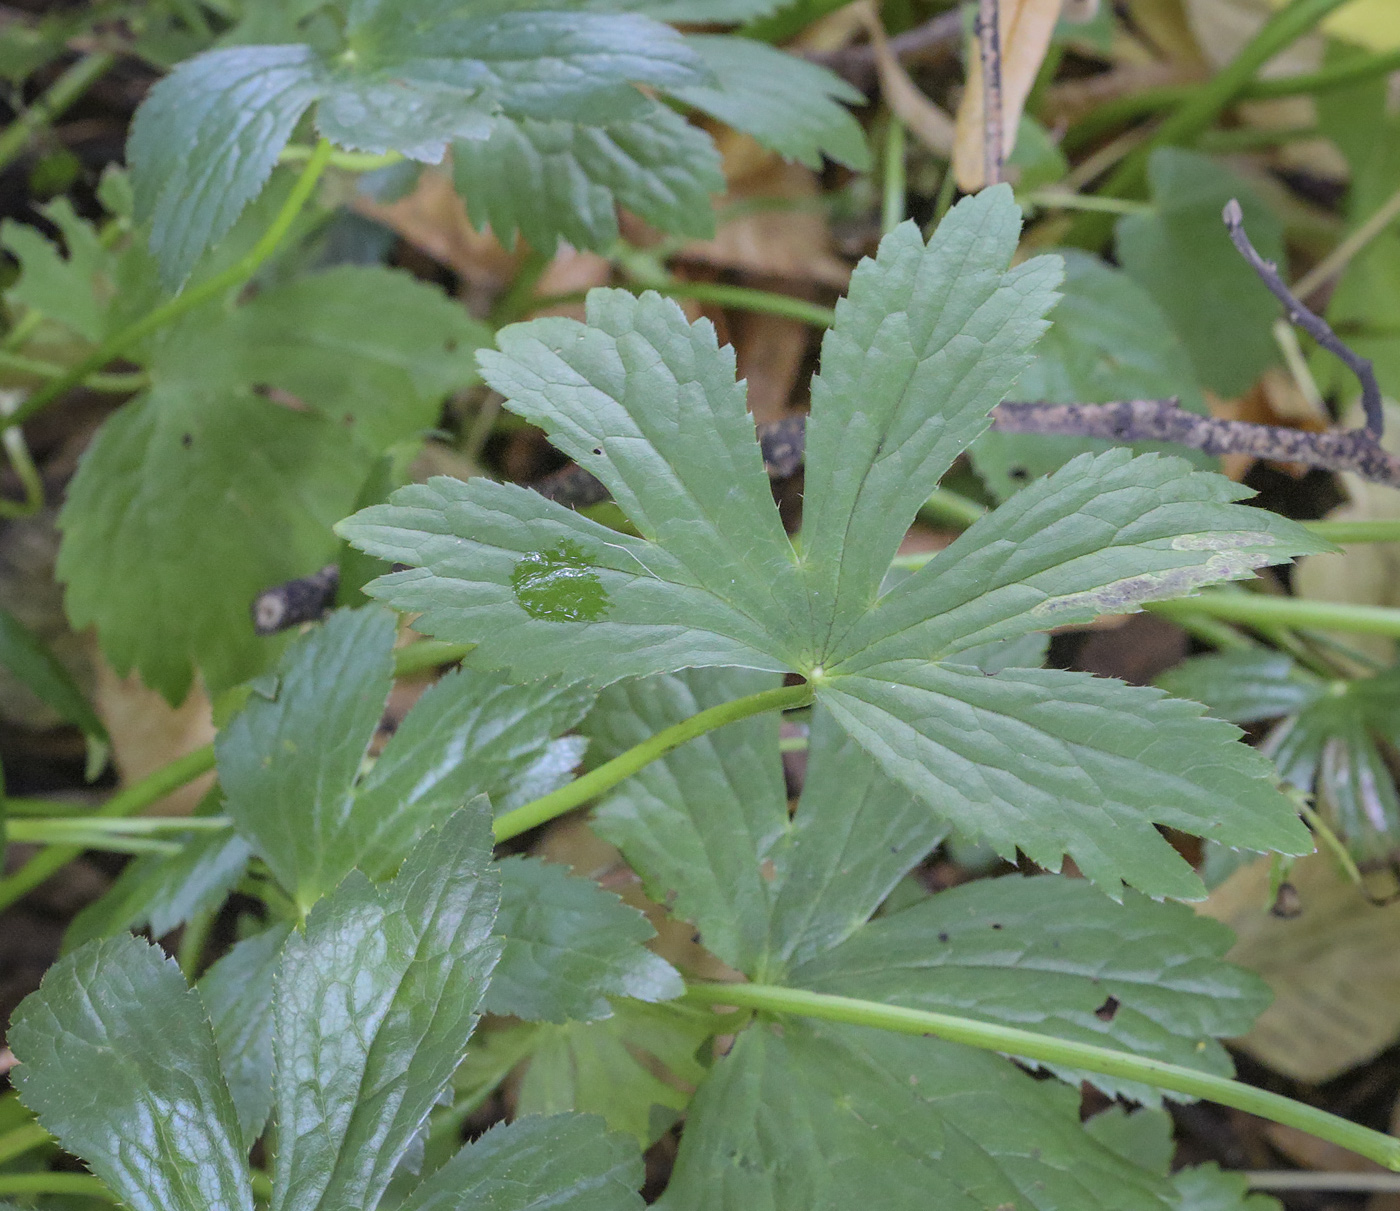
[305, 599]
[989, 49]
[1310, 322]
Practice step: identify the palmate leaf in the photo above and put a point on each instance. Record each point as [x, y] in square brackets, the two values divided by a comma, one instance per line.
[930, 338]
[373, 1008]
[810, 1116]
[564, 180]
[118, 1061]
[410, 78]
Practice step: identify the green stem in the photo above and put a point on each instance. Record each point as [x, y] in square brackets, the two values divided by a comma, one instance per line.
[623, 766]
[59, 95]
[17, 451]
[427, 654]
[1387, 530]
[1330, 841]
[1045, 1049]
[895, 200]
[1256, 609]
[115, 383]
[353, 161]
[149, 790]
[1336, 261]
[944, 507]
[235, 275]
[39, 830]
[56, 1183]
[21, 1140]
[1252, 138]
[745, 298]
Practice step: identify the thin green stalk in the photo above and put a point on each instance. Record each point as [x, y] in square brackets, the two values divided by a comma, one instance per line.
[519, 297]
[1312, 1179]
[59, 95]
[1332, 265]
[149, 790]
[235, 275]
[17, 451]
[1258, 610]
[1218, 634]
[21, 1140]
[352, 161]
[56, 1183]
[115, 383]
[894, 204]
[1387, 530]
[427, 654]
[23, 330]
[623, 766]
[1330, 841]
[1045, 1049]
[1252, 138]
[944, 507]
[193, 939]
[39, 830]
[745, 298]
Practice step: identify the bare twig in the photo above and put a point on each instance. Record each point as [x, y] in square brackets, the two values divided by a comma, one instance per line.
[1314, 325]
[1163, 420]
[989, 48]
[293, 602]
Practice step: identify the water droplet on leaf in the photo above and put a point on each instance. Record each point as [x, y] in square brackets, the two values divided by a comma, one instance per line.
[559, 585]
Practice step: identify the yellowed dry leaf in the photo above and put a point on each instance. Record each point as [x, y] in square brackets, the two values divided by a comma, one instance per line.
[1222, 27]
[1334, 969]
[147, 732]
[928, 122]
[1026, 26]
[1370, 23]
[1165, 24]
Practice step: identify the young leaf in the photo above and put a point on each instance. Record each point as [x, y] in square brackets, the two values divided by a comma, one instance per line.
[372, 1012]
[1245, 687]
[928, 341]
[568, 1160]
[784, 102]
[1102, 535]
[75, 289]
[168, 525]
[706, 826]
[238, 993]
[811, 1116]
[206, 139]
[563, 180]
[569, 945]
[470, 734]
[117, 1060]
[288, 764]
[1053, 955]
[1061, 763]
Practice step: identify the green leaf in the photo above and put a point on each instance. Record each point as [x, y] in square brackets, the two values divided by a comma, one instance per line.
[812, 1116]
[1182, 256]
[928, 341]
[1210, 1188]
[1053, 955]
[361, 1062]
[470, 734]
[189, 502]
[787, 104]
[1102, 535]
[362, 345]
[75, 289]
[1244, 687]
[544, 590]
[563, 180]
[205, 141]
[855, 834]
[162, 892]
[237, 991]
[567, 1160]
[1107, 341]
[117, 1060]
[707, 826]
[26, 656]
[1143, 1137]
[569, 945]
[288, 763]
[635, 1069]
[1061, 763]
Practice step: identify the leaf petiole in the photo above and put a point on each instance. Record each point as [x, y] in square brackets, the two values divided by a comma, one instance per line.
[1383, 1149]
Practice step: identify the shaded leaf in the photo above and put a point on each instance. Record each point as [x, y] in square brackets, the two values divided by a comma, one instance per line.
[237, 991]
[563, 180]
[566, 1160]
[569, 945]
[117, 1060]
[361, 1061]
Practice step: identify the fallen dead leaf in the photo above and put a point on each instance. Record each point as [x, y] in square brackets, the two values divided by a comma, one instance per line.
[1334, 969]
[928, 122]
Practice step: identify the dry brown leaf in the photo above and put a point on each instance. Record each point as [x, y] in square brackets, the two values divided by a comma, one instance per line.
[147, 732]
[770, 350]
[928, 122]
[1222, 27]
[1026, 26]
[1334, 969]
[1166, 24]
[791, 242]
